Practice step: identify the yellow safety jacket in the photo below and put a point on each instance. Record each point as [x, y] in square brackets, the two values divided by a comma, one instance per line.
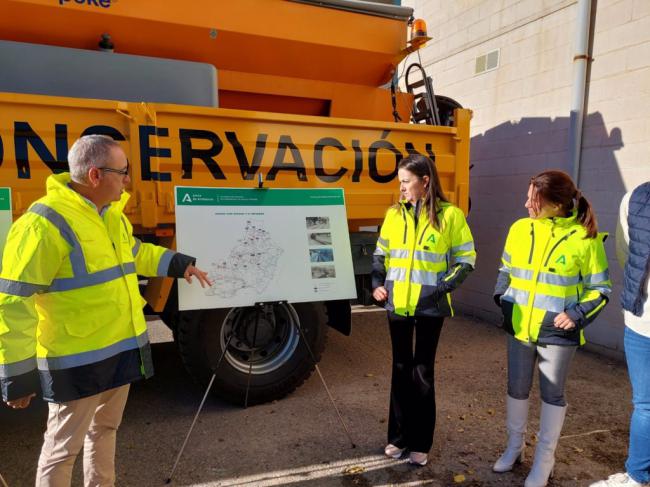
[69, 300]
[549, 267]
[418, 264]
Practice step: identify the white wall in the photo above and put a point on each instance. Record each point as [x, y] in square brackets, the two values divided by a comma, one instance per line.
[521, 116]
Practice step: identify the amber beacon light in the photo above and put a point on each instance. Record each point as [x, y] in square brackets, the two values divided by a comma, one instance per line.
[418, 31]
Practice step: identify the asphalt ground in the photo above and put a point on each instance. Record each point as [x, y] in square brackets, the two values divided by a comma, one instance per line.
[299, 441]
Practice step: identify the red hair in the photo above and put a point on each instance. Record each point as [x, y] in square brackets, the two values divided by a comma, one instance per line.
[558, 188]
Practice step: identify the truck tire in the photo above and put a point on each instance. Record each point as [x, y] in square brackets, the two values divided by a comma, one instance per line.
[446, 107]
[280, 360]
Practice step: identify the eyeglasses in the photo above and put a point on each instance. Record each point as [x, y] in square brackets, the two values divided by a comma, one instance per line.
[121, 172]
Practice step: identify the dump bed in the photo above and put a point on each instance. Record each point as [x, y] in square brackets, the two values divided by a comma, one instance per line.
[323, 58]
[350, 43]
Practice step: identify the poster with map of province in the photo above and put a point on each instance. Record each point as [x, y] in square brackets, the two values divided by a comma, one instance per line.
[263, 246]
[251, 263]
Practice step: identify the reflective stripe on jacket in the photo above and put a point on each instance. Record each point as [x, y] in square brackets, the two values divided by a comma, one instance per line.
[549, 267]
[70, 306]
[418, 264]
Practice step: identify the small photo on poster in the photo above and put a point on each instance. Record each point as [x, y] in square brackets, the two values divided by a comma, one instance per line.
[321, 255]
[323, 271]
[318, 223]
[319, 238]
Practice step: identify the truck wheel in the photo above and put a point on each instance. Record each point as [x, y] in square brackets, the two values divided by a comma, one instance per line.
[275, 354]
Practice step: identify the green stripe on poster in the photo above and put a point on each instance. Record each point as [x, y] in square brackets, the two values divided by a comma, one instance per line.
[190, 196]
[5, 199]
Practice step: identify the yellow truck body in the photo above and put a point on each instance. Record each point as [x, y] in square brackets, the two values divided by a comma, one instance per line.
[171, 146]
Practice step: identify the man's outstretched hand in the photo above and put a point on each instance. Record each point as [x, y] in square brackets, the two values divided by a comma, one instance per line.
[199, 274]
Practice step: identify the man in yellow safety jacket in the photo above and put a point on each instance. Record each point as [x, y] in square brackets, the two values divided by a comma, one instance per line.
[71, 312]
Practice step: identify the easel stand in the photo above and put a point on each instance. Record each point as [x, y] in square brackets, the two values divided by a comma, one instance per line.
[258, 310]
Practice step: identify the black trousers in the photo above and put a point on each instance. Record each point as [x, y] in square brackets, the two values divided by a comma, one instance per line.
[412, 415]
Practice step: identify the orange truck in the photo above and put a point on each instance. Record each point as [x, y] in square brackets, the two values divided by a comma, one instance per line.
[296, 94]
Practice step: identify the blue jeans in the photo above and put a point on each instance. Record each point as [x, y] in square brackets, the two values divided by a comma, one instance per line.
[637, 354]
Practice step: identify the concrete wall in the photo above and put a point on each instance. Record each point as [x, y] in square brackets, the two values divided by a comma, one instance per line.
[521, 117]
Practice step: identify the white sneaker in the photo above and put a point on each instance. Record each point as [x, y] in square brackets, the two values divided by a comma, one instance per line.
[618, 479]
[393, 451]
[417, 458]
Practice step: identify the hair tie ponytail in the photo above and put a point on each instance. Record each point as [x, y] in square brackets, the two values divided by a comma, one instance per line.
[586, 215]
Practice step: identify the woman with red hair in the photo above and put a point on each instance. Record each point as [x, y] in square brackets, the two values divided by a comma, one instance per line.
[552, 283]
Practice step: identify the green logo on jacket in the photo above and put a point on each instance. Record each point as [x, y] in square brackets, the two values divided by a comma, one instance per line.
[561, 260]
[432, 239]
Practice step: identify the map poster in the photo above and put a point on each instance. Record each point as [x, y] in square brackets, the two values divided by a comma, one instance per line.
[264, 245]
[5, 217]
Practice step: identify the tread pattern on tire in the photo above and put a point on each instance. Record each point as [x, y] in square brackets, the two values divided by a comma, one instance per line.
[229, 383]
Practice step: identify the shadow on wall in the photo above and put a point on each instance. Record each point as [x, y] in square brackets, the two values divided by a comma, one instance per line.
[505, 158]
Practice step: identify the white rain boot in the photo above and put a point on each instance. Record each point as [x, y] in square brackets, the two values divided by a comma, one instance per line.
[516, 419]
[550, 427]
